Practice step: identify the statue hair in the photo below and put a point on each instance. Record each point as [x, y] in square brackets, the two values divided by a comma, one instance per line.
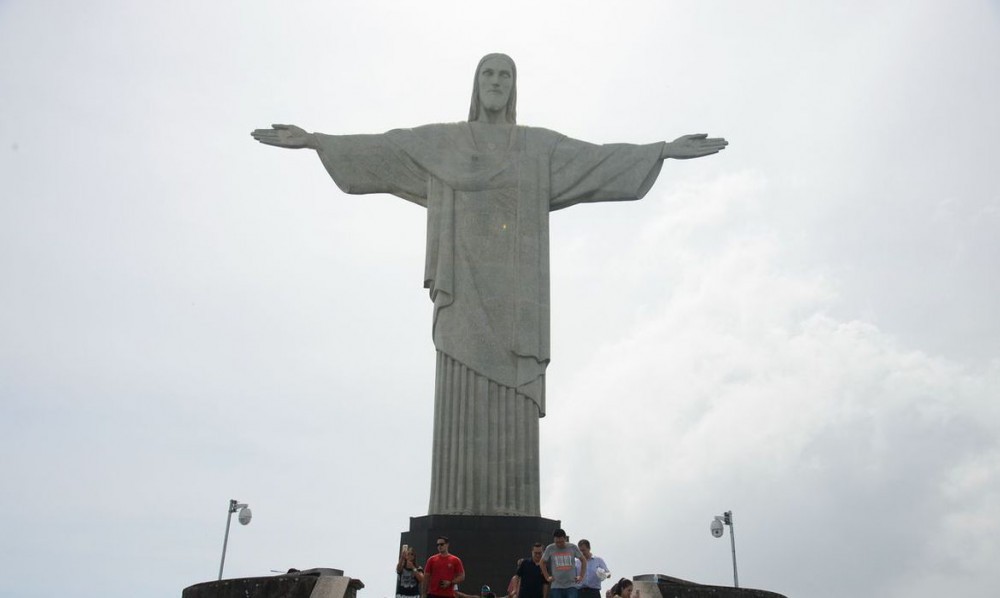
[511, 101]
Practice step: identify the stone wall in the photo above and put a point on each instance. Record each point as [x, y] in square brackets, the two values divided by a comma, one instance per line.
[664, 586]
[303, 584]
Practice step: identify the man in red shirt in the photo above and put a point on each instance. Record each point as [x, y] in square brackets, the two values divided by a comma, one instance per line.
[443, 572]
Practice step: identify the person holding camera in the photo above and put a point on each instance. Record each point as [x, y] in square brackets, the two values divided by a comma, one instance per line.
[409, 575]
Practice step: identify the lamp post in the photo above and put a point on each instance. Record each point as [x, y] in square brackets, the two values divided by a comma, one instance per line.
[717, 523]
[244, 518]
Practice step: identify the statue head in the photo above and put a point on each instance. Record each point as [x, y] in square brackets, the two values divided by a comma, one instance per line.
[495, 87]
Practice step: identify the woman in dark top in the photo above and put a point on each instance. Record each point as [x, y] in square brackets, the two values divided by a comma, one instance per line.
[409, 575]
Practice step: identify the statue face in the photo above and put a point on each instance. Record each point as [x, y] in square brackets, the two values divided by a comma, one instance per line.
[496, 77]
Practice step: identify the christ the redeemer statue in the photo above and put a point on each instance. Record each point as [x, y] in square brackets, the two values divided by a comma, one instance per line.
[488, 185]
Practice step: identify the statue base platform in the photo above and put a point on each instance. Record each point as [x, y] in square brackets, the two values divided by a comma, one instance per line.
[488, 545]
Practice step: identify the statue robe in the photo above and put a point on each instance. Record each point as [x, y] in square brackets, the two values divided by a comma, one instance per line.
[487, 269]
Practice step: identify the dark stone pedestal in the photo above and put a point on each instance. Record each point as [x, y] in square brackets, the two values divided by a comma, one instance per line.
[489, 546]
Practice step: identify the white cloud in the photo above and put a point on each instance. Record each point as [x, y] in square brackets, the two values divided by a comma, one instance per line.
[738, 390]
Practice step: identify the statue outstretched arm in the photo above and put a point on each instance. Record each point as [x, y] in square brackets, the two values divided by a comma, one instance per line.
[288, 136]
[693, 146]
[359, 164]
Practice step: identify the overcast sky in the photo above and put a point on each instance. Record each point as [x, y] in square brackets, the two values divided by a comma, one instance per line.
[802, 329]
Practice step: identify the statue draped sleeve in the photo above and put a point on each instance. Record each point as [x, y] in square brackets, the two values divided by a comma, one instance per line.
[582, 172]
[361, 164]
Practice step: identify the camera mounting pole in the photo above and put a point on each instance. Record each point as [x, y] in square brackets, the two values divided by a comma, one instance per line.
[244, 518]
[727, 519]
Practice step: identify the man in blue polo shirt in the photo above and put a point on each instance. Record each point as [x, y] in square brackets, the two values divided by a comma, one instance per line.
[597, 571]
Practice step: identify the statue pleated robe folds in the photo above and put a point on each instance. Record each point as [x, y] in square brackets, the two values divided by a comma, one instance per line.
[487, 269]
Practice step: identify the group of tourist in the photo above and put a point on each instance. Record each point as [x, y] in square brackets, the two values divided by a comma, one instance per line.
[560, 570]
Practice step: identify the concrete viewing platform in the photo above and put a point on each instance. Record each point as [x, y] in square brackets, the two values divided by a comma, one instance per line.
[331, 583]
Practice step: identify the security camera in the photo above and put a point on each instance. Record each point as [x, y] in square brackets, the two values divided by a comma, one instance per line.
[717, 528]
[245, 515]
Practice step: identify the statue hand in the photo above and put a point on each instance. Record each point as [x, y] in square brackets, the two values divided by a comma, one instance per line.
[693, 146]
[288, 136]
